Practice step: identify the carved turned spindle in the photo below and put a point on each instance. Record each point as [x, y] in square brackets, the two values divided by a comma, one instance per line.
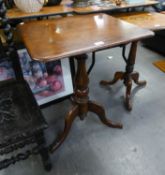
[19, 109]
[6, 27]
[11, 50]
[81, 86]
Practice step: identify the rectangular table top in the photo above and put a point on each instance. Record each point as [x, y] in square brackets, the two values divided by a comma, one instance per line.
[65, 8]
[63, 37]
[149, 20]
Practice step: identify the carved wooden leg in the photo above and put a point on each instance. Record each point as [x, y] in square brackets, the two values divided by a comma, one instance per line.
[128, 75]
[117, 76]
[81, 103]
[73, 113]
[99, 110]
[135, 78]
[81, 95]
[43, 151]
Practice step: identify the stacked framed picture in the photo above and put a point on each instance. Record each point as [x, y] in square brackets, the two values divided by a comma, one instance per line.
[48, 81]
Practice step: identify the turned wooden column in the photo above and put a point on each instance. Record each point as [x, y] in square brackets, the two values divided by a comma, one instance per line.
[81, 103]
[81, 86]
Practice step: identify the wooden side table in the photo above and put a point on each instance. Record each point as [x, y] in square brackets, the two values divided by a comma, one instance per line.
[153, 21]
[87, 33]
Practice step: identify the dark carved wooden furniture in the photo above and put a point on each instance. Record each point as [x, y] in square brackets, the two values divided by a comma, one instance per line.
[87, 33]
[21, 121]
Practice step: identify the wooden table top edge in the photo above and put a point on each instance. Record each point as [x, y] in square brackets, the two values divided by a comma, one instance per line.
[88, 49]
[85, 51]
[129, 16]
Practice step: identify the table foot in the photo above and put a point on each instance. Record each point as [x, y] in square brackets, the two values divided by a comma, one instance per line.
[135, 78]
[127, 78]
[128, 103]
[128, 83]
[75, 112]
[99, 110]
[68, 123]
[118, 76]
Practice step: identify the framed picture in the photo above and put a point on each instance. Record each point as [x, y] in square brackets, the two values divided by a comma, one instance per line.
[48, 81]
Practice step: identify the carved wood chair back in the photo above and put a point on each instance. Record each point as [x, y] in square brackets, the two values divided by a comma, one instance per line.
[21, 121]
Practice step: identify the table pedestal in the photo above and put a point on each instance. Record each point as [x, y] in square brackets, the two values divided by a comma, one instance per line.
[81, 103]
[127, 76]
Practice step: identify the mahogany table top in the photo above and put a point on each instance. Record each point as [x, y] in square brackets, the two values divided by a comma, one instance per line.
[63, 37]
[64, 8]
[154, 21]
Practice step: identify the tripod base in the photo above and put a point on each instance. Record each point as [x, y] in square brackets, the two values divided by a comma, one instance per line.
[127, 76]
[74, 112]
[81, 104]
[128, 83]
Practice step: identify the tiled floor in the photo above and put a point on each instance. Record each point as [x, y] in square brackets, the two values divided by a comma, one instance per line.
[94, 149]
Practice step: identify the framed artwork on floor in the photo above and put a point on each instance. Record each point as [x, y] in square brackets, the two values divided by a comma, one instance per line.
[48, 81]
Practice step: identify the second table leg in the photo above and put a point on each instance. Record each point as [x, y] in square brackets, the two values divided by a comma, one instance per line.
[127, 76]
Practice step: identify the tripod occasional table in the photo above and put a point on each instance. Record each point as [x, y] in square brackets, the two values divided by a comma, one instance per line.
[148, 20]
[55, 39]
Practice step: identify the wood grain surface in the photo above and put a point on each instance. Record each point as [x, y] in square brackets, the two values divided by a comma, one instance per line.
[68, 36]
[154, 21]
